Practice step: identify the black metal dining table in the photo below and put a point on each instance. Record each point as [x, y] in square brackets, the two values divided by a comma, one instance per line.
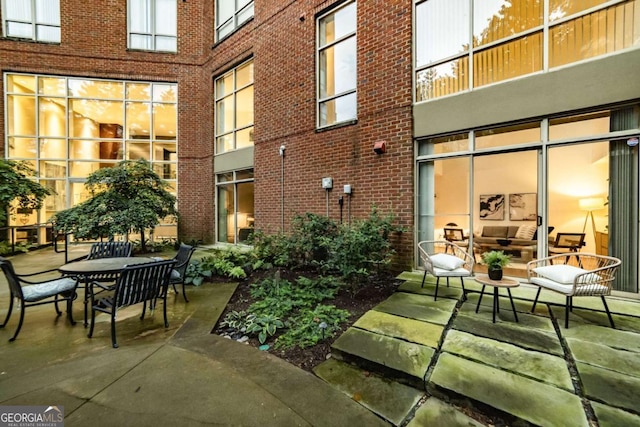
[85, 269]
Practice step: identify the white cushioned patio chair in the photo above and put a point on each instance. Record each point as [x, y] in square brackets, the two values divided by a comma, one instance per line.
[31, 292]
[593, 276]
[442, 258]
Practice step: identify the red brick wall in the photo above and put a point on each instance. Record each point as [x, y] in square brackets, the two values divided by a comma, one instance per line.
[281, 39]
[285, 103]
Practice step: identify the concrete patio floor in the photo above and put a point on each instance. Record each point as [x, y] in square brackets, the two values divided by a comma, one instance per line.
[411, 361]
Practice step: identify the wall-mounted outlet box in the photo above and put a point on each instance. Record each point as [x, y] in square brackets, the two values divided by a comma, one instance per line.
[347, 189]
[327, 183]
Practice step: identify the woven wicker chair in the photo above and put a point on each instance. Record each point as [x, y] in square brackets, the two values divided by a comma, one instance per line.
[593, 277]
[442, 258]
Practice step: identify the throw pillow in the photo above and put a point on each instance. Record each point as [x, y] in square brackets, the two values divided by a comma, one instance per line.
[565, 274]
[446, 261]
[526, 232]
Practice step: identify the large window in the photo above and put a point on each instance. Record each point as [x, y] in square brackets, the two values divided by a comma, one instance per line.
[572, 175]
[337, 66]
[465, 44]
[234, 109]
[67, 128]
[235, 205]
[153, 25]
[230, 14]
[32, 19]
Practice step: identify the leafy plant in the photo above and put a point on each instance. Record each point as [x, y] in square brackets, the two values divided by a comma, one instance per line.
[365, 245]
[313, 326]
[16, 186]
[226, 263]
[129, 197]
[196, 273]
[496, 259]
[264, 326]
[6, 249]
[235, 320]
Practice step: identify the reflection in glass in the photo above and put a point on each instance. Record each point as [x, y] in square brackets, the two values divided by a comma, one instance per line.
[496, 20]
[444, 79]
[512, 59]
[442, 30]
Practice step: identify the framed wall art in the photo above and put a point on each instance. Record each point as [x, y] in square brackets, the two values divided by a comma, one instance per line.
[492, 207]
[523, 207]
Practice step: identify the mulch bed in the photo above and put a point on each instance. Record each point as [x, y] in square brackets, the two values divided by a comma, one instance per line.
[357, 301]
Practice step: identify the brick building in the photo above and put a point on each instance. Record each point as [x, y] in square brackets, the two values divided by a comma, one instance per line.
[492, 113]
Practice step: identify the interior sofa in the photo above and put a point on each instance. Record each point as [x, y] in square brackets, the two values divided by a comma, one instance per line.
[518, 240]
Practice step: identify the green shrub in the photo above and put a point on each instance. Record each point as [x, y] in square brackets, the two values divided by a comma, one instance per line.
[225, 263]
[269, 250]
[364, 246]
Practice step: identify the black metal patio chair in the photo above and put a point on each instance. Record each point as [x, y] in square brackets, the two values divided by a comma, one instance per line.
[111, 249]
[136, 284]
[182, 259]
[35, 293]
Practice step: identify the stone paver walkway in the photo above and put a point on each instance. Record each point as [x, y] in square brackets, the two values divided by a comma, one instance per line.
[456, 360]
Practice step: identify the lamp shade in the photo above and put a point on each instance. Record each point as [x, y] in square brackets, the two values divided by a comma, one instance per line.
[591, 203]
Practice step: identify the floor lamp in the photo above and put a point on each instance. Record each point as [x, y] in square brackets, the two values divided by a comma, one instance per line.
[591, 204]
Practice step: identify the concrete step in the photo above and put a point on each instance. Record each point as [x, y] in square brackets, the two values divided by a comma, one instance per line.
[388, 399]
[398, 359]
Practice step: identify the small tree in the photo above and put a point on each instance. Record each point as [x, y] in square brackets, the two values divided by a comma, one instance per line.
[129, 197]
[16, 185]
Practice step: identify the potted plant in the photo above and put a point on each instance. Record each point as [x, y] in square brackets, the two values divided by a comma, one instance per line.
[495, 261]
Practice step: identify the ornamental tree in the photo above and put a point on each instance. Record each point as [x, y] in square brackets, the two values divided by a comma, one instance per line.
[127, 198]
[16, 186]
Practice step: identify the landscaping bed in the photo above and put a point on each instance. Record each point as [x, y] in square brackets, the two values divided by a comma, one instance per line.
[356, 301]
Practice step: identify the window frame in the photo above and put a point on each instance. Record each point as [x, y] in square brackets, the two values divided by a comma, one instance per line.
[320, 101]
[154, 33]
[233, 93]
[33, 23]
[236, 178]
[470, 81]
[234, 18]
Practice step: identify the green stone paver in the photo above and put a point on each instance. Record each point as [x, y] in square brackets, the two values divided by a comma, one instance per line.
[582, 316]
[454, 291]
[435, 413]
[419, 307]
[390, 400]
[522, 305]
[533, 401]
[411, 276]
[509, 332]
[622, 361]
[612, 388]
[614, 338]
[625, 323]
[541, 366]
[412, 359]
[411, 330]
[525, 319]
[613, 417]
